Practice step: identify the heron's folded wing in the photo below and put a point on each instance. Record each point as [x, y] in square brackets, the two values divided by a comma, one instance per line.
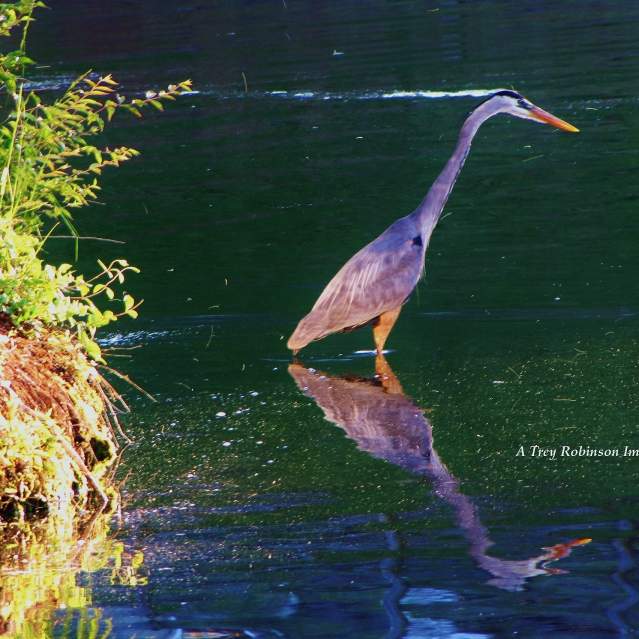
[377, 279]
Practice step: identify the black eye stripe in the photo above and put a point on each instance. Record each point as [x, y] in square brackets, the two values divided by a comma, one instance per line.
[521, 101]
[510, 94]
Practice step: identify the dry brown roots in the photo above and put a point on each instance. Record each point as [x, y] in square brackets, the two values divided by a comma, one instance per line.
[57, 421]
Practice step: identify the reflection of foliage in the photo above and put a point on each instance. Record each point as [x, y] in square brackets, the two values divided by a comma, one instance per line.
[88, 625]
[40, 565]
[128, 571]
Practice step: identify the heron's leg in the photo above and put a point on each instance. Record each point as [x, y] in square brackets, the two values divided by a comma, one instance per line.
[389, 381]
[383, 326]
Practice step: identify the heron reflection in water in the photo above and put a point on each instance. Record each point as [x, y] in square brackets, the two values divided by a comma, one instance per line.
[384, 422]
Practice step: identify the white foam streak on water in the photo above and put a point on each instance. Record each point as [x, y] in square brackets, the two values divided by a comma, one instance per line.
[437, 95]
[382, 95]
[62, 82]
[348, 95]
[134, 337]
[57, 83]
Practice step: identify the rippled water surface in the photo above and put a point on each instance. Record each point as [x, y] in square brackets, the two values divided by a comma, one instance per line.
[313, 499]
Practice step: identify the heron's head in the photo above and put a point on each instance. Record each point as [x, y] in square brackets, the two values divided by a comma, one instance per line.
[516, 104]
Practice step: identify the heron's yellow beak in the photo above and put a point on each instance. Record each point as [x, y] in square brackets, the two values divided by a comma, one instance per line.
[548, 118]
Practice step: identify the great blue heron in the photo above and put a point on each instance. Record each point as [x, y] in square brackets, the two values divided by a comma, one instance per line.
[374, 284]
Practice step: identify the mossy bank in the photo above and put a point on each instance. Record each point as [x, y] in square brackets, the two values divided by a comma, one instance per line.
[57, 419]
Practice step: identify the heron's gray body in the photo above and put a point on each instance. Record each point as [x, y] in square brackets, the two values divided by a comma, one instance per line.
[363, 289]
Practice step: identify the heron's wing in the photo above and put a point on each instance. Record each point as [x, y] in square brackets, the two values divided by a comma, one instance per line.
[377, 279]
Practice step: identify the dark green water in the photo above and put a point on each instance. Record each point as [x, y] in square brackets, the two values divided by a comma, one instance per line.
[257, 516]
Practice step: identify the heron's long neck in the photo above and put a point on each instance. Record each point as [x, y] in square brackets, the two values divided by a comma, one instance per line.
[431, 207]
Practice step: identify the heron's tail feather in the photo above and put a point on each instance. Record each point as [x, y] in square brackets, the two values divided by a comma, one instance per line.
[311, 327]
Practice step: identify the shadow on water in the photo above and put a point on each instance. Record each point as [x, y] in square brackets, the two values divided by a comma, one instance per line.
[384, 422]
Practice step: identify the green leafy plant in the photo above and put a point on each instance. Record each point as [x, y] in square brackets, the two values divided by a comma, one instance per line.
[51, 166]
